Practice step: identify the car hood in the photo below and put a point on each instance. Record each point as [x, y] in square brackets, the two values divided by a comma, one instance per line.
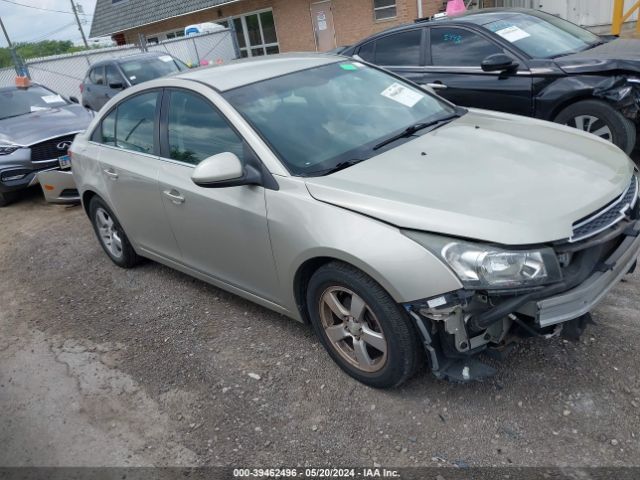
[488, 176]
[618, 55]
[37, 126]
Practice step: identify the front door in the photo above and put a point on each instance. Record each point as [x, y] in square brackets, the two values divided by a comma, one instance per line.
[129, 166]
[323, 27]
[453, 69]
[221, 232]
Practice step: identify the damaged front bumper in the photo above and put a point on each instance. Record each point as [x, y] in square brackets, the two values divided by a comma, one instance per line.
[456, 326]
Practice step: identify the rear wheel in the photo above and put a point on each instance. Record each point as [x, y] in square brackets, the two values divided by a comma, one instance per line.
[111, 235]
[6, 199]
[362, 328]
[601, 119]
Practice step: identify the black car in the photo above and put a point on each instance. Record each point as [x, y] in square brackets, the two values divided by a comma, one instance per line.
[520, 61]
[107, 78]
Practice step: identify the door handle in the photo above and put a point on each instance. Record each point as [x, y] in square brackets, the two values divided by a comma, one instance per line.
[111, 173]
[437, 86]
[174, 196]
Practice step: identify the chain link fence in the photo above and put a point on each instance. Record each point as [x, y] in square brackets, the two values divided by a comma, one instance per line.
[64, 73]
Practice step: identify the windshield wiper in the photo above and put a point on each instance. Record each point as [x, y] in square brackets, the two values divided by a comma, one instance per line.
[413, 129]
[342, 166]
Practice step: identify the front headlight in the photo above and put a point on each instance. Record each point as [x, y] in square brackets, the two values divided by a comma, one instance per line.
[481, 266]
[8, 149]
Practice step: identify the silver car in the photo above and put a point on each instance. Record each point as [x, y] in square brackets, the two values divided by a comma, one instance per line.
[406, 230]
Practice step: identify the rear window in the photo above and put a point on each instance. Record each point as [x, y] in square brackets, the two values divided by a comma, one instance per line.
[143, 70]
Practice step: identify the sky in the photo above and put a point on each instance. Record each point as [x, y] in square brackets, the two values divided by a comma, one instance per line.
[25, 24]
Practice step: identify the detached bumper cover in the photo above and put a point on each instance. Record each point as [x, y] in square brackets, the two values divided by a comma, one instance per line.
[59, 187]
[583, 298]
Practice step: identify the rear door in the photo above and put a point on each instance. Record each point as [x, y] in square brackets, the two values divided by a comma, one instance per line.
[129, 164]
[95, 89]
[454, 57]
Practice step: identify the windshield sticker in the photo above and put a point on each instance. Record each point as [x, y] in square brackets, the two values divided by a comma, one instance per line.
[53, 99]
[401, 94]
[512, 34]
[38, 109]
[132, 78]
[166, 58]
[453, 38]
[348, 66]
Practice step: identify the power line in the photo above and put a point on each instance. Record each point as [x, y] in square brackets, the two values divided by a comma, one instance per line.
[40, 8]
[44, 36]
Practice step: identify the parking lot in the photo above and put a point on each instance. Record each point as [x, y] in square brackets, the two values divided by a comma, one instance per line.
[104, 366]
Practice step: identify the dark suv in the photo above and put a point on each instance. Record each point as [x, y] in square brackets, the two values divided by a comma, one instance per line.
[520, 61]
[107, 78]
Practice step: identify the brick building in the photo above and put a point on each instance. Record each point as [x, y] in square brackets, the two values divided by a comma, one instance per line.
[262, 26]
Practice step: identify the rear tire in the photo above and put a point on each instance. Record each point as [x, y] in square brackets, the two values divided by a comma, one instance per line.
[6, 199]
[601, 119]
[366, 332]
[111, 235]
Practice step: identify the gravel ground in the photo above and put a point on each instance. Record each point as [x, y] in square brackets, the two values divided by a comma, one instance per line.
[103, 366]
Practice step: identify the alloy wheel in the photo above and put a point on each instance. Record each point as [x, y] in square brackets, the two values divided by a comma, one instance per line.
[353, 329]
[108, 233]
[593, 125]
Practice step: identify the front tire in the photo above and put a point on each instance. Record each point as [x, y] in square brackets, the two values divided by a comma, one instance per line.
[362, 328]
[111, 235]
[601, 119]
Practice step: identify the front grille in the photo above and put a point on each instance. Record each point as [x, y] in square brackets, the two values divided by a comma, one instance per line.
[608, 216]
[48, 150]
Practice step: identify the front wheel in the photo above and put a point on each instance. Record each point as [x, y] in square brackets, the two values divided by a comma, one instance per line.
[362, 328]
[601, 119]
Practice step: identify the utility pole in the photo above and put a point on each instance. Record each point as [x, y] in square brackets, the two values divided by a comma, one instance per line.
[19, 66]
[75, 12]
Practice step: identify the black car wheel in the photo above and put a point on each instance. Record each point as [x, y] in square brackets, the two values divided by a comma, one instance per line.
[601, 119]
[111, 235]
[364, 330]
[6, 199]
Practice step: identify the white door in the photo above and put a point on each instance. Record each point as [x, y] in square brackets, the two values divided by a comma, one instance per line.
[588, 13]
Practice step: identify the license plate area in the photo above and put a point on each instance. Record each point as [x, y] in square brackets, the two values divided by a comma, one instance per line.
[65, 162]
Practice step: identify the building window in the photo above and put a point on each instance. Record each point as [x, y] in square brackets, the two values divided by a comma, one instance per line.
[256, 33]
[384, 9]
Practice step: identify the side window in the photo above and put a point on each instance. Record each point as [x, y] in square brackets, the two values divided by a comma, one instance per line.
[399, 49]
[366, 51]
[107, 130]
[135, 122]
[460, 47]
[197, 130]
[113, 76]
[97, 76]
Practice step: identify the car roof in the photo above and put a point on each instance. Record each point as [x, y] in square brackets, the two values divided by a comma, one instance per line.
[246, 71]
[135, 56]
[477, 17]
[14, 87]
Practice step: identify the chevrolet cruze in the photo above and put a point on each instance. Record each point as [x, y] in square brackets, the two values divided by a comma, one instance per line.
[405, 229]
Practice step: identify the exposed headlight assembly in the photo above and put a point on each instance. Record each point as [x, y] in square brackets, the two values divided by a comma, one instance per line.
[8, 149]
[488, 267]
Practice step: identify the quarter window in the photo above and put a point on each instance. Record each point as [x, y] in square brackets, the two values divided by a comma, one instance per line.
[459, 47]
[197, 130]
[108, 129]
[399, 49]
[97, 76]
[384, 9]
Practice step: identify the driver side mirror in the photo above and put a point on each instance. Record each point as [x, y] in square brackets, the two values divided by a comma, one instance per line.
[74, 100]
[117, 85]
[499, 62]
[225, 170]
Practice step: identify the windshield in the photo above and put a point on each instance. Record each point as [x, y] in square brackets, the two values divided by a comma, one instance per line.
[138, 71]
[543, 35]
[20, 101]
[318, 118]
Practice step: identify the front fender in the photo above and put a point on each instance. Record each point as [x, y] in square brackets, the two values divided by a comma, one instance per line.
[303, 228]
